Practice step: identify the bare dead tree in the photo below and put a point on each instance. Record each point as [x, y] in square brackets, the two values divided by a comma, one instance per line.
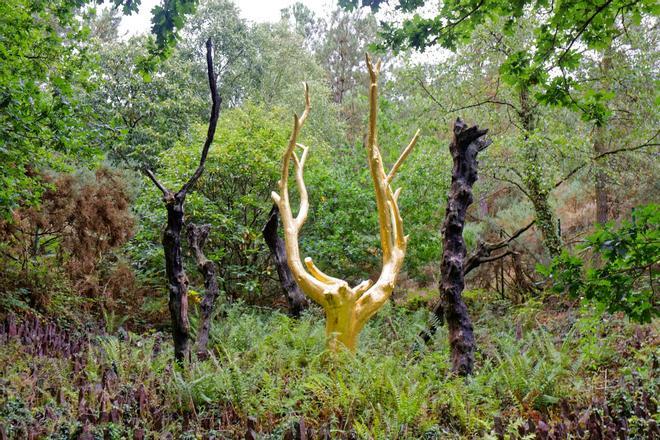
[174, 201]
[197, 236]
[464, 147]
[483, 253]
[296, 299]
[347, 308]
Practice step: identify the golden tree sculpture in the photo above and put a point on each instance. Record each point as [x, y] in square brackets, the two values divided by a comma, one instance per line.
[347, 309]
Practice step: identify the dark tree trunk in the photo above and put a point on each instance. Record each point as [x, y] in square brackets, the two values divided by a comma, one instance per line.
[464, 147]
[197, 236]
[176, 276]
[296, 299]
[482, 255]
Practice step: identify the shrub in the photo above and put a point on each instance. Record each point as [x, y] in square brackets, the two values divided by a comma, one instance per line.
[60, 243]
[625, 279]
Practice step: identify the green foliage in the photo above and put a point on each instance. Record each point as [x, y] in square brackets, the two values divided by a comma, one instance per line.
[46, 68]
[73, 95]
[235, 50]
[279, 84]
[142, 118]
[626, 279]
[233, 195]
[43, 69]
[556, 38]
[271, 367]
[532, 376]
[342, 232]
[167, 19]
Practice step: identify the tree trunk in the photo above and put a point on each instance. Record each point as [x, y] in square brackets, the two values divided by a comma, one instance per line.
[544, 218]
[464, 147]
[176, 276]
[600, 184]
[537, 193]
[197, 236]
[602, 200]
[296, 299]
[343, 325]
[482, 255]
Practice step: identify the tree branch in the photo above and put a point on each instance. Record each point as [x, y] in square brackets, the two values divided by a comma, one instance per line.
[483, 252]
[490, 100]
[582, 29]
[456, 23]
[159, 185]
[213, 119]
[648, 143]
[512, 182]
[197, 236]
[403, 156]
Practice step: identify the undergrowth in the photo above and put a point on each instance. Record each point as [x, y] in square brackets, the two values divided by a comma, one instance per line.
[275, 370]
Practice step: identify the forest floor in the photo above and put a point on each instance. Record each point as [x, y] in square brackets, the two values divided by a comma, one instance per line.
[545, 369]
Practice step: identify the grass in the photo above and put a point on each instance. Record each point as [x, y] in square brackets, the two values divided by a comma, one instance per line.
[274, 369]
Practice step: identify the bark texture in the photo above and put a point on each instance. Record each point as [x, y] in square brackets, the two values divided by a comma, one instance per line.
[294, 296]
[197, 236]
[176, 275]
[545, 219]
[174, 203]
[482, 255]
[537, 192]
[600, 147]
[465, 146]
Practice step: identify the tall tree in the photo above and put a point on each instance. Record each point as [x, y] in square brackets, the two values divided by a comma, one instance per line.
[621, 75]
[600, 146]
[341, 51]
[464, 147]
[44, 66]
[140, 119]
[343, 42]
[174, 203]
[303, 21]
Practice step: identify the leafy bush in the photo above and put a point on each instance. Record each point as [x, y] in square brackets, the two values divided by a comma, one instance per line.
[625, 279]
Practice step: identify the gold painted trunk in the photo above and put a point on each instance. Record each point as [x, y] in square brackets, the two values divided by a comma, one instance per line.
[342, 327]
[347, 308]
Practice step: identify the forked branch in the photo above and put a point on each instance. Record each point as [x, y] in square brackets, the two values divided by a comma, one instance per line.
[216, 101]
[347, 309]
[484, 250]
[176, 275]
[213, 119]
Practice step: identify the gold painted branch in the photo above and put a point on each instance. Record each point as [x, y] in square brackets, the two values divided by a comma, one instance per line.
[347, 309]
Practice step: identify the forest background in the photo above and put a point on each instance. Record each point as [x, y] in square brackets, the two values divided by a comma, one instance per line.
[571, 174]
